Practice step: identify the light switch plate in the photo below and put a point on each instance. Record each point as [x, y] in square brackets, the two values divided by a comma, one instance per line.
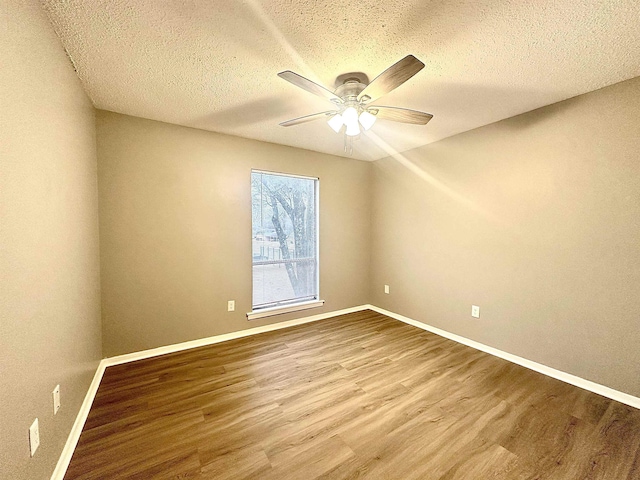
[386, 289]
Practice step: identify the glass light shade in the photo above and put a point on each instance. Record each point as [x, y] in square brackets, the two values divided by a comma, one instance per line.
[367, 120]
[350, 118]
[352, 129]
[336, 122]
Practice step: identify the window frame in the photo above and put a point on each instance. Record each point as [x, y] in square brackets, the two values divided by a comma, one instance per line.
[262, 312]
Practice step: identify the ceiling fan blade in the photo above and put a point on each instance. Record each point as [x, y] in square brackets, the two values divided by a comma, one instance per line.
[392, 77]
[308, 85]
[404, 115]
[308, 118]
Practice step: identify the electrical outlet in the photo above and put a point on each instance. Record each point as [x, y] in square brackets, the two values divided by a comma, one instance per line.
[475, 311]
[231, 305]
[34, 436]
[386, 289]
[56, 399]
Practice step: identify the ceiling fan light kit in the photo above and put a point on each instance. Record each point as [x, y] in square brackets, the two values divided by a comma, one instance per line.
[353, 99]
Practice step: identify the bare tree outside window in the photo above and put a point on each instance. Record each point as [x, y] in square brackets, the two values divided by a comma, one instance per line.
[284, 239]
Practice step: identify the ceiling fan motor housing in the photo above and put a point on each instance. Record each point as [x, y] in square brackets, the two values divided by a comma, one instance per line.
[350, 88]
[349, 92]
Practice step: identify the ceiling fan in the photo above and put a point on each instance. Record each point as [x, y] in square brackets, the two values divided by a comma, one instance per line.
[354, 96]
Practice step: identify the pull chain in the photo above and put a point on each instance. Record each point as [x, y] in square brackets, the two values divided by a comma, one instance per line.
[348, 145]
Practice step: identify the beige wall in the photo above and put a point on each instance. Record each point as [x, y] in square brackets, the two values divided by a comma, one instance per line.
[536, 219]
[175, 230]
[49, 259]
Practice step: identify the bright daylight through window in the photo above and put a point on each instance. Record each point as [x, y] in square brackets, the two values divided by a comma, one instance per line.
[284, 239]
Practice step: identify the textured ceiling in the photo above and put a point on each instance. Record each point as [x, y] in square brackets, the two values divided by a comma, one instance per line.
[213, 64]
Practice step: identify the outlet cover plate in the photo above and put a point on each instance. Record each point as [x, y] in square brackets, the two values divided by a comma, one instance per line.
[475, 311]
[56, 399]
[231, 305]
[34, 436]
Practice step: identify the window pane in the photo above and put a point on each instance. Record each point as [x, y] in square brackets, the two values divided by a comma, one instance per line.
[284, 239]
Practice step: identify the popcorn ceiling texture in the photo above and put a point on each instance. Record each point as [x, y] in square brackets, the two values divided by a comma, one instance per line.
[213, 64]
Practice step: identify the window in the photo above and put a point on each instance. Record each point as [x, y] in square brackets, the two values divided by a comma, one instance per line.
[284, 243]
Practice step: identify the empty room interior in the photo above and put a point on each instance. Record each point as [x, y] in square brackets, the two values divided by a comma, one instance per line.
[271, 239]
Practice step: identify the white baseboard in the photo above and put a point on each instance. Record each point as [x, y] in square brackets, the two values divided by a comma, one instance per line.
[538, 367]
[74, 435]
[202, 342]
[76, 429]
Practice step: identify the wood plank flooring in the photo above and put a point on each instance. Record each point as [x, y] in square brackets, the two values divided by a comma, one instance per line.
[355, 396]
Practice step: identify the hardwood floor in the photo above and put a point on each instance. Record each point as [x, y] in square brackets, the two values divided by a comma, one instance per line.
[355, 396]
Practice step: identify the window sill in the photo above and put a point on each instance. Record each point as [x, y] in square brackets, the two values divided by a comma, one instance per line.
[268, 312]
